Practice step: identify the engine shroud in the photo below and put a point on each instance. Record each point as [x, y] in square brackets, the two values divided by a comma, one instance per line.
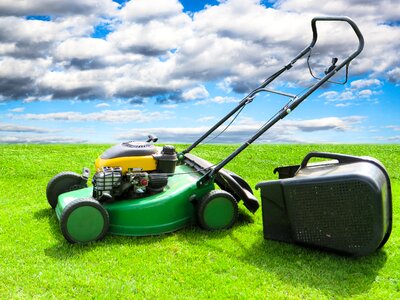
[130, 156]
[139, 157]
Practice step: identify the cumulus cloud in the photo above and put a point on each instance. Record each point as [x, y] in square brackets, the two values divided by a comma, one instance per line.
[82, 49]
[394, 75]
[198, 92]
[147, 10]
[358, 92]
[56, 8]
[154, 49]
[363, 83]
[360, 9]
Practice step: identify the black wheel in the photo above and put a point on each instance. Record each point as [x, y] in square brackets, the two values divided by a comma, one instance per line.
[84, 220]
[62, 183]
[217, 210]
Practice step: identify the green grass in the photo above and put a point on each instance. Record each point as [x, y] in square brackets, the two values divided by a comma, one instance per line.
[36, 261]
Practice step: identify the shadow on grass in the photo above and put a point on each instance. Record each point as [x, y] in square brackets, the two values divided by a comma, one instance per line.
[44, 213]
[338, 276]
[65, 250]
[335, 275]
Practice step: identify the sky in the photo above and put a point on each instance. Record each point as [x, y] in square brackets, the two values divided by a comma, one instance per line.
[102, 71]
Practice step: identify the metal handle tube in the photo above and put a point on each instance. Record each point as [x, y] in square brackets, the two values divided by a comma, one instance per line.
[242, 103]
[282, 113]
[246, 100]
[219, 123]
[292, 105]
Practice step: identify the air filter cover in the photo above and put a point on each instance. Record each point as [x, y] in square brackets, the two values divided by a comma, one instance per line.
[343, 205]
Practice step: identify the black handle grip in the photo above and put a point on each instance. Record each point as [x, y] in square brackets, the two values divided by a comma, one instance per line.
[341, 158]
[338, 19]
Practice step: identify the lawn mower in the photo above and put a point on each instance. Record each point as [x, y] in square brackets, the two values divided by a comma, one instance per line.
[140, 189]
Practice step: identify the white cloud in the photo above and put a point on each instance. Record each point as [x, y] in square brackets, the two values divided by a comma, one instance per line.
[23, 68]
[329, 95]
[103, 105]
[329, 123]
[218, 100]
[365, 93]
[34, 38]
[355, 94]
[151, 27]
[57, 8]
[286, 131]
[46, 98]
[154, 48]
[394, 127]
[112, 116]
[169, 106]
[35, 139]
[205, 119]
[360, 9]
[4, 127]
[363, 83]
[198, 92]
[17, 109]
[151, 39]
[83, 48]
[144, 10]
[394, 74]
[388, 139]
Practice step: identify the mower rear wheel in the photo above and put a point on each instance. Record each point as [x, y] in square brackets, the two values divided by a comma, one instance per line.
[217, 210]
[62, 183]
[84, 220]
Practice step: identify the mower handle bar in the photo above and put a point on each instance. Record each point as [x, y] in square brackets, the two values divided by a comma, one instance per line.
[288, 107]
[339, 19]
[346, 62]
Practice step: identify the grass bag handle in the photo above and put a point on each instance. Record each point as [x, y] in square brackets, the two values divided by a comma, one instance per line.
[341, 158]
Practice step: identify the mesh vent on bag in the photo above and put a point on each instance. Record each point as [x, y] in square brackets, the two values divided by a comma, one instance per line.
[333, 215]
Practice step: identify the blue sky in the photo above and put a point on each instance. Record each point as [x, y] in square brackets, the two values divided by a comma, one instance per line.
[102, 71]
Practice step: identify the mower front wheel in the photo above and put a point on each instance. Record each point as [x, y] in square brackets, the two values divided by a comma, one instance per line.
[62, 183]
[217, 210]
[84, 220]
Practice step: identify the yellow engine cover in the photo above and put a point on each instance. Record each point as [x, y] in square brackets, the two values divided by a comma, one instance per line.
[130, 163]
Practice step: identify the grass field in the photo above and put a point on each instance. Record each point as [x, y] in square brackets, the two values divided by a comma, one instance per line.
[36, 261]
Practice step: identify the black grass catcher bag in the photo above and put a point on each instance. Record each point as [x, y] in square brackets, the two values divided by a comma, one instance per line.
[342, 205]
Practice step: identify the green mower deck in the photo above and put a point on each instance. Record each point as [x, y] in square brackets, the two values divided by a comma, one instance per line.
[160, 213]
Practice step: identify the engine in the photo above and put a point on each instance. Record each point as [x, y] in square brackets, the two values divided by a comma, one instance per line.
[132, 170]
